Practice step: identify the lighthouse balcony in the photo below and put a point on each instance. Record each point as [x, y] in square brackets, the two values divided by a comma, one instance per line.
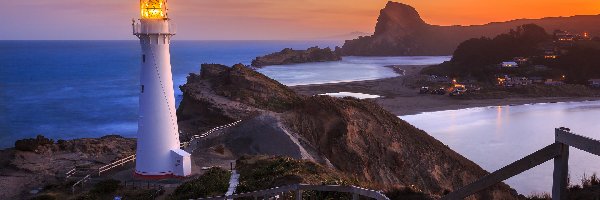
[158, 27]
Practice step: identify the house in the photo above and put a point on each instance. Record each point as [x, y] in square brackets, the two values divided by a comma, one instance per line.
[510, 64]
[553, 82]
[517, 81]
[508, 81]
[521, 60]
[594, 82]
[537, 79]
[551, 54]
[564, 36]
[439, 79]
[541, 68]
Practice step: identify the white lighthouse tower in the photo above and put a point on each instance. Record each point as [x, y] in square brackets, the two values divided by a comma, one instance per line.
[158, 147]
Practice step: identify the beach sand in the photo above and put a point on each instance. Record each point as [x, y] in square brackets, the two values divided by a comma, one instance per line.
[401, 99]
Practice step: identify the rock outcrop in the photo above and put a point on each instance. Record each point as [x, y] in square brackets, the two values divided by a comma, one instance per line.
[46, 163]
[400, 31]
[357, 137]
[290, 56]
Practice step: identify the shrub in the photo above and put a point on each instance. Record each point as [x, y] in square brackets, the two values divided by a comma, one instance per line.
[32, 144]
[590, 182]
[406, 193]
[106, 187]
[214, 182]
[544, 196]
[44, 197]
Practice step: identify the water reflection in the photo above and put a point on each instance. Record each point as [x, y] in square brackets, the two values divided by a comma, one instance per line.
[496, 136]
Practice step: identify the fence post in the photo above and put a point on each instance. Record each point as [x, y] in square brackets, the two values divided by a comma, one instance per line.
[354, 196]
[298, 194]
[561, 173]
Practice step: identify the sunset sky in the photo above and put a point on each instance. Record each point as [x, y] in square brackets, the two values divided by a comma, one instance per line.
[257, 19]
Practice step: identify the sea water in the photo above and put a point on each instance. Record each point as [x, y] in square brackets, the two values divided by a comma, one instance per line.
[494, 137]
[78, 89]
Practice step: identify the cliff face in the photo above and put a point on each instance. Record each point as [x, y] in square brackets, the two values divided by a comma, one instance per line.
[290, 56]
[354, 136]
[400, 31]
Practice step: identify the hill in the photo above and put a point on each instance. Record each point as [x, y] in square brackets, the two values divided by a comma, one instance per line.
[400, 31]
[356, 137]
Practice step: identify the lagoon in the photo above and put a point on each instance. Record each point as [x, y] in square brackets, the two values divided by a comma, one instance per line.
[494, 137]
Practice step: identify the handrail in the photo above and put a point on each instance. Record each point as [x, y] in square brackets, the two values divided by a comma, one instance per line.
[117, 163]
[208, 133]
[559, 151]
[356, 191]
[83, 180]
[520, 166]
[70, 173]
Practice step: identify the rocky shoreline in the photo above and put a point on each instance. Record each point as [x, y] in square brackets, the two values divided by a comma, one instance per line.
[291, 56]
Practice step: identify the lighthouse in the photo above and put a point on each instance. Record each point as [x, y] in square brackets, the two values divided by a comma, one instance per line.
[158, 147]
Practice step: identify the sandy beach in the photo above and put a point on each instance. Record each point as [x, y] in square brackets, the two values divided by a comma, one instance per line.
[401, 99]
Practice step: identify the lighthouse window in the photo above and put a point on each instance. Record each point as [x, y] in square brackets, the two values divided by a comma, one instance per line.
[142, 89]
[144, 58]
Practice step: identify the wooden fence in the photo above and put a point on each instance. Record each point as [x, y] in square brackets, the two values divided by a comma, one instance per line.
[298, 190]
[559, 151]
[132, 158]
[117, 163]
[81, 182]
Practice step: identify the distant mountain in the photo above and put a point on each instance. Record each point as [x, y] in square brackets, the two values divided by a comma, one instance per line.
[400, 31]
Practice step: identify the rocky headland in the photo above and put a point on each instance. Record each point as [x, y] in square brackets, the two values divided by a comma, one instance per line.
[291, 56]
[400, 31]
[355, 137]
[38, 162]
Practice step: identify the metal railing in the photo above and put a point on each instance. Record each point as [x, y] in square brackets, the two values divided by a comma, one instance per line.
[81, 182]
[70, 173]
[208, 133]
[158, 28]
[117, 163]
[299, 188]
[559, 151]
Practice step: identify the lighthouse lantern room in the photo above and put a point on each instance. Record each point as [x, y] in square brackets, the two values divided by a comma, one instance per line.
[158, 146]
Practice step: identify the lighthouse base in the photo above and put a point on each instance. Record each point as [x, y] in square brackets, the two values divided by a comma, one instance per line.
[156, 177]
[181, 167]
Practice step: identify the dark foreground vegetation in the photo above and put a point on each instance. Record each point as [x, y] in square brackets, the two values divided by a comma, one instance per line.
[214, 182]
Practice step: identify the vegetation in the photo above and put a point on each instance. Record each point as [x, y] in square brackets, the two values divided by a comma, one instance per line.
[479, 58]
[32, 144]
[106, 187]
[257, 173]
[407, 193]
[44, 197]
[580, 63]
[214, 182]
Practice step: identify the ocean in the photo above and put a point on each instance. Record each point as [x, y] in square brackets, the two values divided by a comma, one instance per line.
[77, 89]
[82, 89]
